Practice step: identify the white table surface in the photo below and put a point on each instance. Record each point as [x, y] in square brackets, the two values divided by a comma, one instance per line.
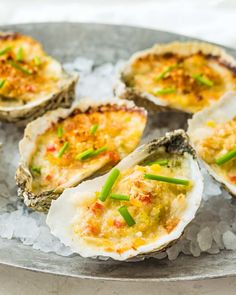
[212, 20]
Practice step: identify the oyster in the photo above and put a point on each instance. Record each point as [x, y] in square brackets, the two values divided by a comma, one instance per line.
[185, 76]
[66, 146]
[141, 206]
[31, 82]
[213, 134]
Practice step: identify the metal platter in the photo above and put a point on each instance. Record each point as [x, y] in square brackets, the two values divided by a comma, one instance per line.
[107, 43]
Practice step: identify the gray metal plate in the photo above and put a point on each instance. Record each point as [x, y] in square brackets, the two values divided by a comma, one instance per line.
[107, 43]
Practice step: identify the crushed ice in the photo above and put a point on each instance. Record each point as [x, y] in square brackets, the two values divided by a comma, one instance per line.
[213, 229]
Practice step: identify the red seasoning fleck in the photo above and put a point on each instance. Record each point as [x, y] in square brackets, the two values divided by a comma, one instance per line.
[97, 208]
[48, 177]
[114, 156]
[51, 148]
[233, 178]
[118, 223]
[147, 199]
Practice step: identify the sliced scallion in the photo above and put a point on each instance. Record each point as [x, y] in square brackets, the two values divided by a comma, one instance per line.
[226, 157]
[84, 155]
[126, 215]
[165, 91]
[99, 151]
[2, 82]
[20, 68]
[94, 129]
[159, 162]
[165, 72]
[37, 60]
[5, 50]
[203, 80]
[59, 131]
[36, 169]
[167, 179]
[111, 179]
[63, 149]
[20, 54]
[119, 197]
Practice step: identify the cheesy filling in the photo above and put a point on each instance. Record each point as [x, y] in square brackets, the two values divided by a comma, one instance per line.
[220, 140]
[109, 133]
[184, 82]
[155, 206]
[26, 72]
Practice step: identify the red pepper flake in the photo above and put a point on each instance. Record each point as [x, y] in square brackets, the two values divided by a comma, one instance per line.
[30, 88]
[97, 208]
[48, 177]
[92, 229]
[147, 199]
[51, 148]
[118, 223]
[114, 156]
[233, 178]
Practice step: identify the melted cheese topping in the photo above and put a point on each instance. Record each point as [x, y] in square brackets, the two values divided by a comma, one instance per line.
[180, 85]
[155, 206]
[118, 131]
[220, 140]
[26, 72]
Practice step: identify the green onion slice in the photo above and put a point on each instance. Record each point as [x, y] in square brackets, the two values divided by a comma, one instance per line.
[119, 197]
[20, 54]
[36, 169]
[166, 71]
[20, 68]
[59, 131]
[63, 149]
[126, 215]
[2, 82]
[111, 179]
[84, 155]
[5, 50]
[203, 80]
[37, 60]
[94, 129]
[99, 151]
[165, 91]
[167, 179]
[159, 162]
[226, 157]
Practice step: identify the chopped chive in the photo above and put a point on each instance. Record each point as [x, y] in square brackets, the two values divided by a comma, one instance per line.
[36, 169]
[165, 72]
[94, 129]
[20, 68]
[126, 215]
[226, 157]
[59, 131]
[20, 54]
[112, 177]
[166, 91]
[120, 197]
[159, 162]
[99, 151]
[5, 50]
[37, 60]
[203, 80]
[167, 179]
[63, 149]
[84, 155]
[2, 82]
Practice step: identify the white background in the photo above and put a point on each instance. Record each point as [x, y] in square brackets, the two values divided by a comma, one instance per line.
[212, 20]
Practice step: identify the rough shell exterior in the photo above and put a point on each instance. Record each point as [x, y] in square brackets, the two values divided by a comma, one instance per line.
[183, 48]
[42, 201]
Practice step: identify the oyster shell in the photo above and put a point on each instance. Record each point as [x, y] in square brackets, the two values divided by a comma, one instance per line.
[186, 76]
[31, 82]
[66, 146]
[160, 211]
[213, 134]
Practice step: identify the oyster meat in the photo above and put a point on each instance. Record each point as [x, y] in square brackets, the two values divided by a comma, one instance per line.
[186, 76]
[66, 146]
[31, 82]
[141, 206]
[213, 134]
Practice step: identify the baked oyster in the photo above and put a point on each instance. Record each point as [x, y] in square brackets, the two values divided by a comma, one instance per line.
[213, 134]
[141, 206]
[31, 82]
[185, 76]
[66, 146]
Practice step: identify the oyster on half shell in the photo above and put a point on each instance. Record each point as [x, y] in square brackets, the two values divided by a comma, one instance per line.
[186, 76]
[31, 82]
[138, 215]
[213, 134]
[66, 146]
